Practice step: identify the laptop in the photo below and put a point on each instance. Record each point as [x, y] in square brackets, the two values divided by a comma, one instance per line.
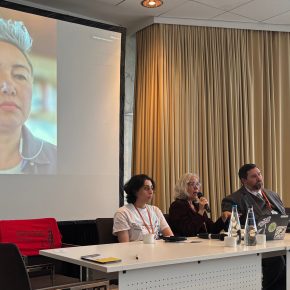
[274, 226]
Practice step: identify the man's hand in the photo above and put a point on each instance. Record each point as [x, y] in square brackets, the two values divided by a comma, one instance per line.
[226, 215]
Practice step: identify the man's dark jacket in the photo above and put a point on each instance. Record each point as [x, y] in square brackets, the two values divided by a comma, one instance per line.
[244, 199]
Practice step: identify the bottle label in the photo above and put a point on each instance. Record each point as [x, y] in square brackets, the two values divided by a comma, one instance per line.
[251, 236]
[235, 228]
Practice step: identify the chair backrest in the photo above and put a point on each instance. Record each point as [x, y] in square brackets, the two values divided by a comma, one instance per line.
[81, 233]
[13, 275]
[167, 217]
[104, 231]
[31, 235]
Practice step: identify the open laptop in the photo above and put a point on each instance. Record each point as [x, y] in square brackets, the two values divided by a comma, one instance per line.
[274, 226]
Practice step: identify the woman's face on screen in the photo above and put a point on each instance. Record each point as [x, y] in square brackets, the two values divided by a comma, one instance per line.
[15, 87]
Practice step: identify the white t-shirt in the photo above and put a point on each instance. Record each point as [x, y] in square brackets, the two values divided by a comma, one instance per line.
[128, 219]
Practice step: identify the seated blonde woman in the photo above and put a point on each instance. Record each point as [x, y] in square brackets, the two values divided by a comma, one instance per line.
[187, 214]
[138, 218]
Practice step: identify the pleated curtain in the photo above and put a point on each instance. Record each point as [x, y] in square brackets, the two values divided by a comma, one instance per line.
[208, 100]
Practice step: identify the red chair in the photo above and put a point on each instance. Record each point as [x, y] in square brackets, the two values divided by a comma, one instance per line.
[30, 236]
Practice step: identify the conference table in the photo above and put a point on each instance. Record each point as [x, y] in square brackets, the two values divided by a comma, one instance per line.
[193, 264]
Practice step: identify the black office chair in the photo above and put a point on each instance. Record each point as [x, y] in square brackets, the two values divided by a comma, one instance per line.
[166, 215]
[167, 218]
[13, 274]
[104, 231]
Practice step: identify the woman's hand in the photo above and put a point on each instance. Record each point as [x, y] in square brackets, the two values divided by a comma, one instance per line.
[202, 202]
[167, 232]
[226, 215]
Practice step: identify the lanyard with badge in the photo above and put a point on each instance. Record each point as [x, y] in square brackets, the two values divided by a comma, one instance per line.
[268, 202]
[144, 223]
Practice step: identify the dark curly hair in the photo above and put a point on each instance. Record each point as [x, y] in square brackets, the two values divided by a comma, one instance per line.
[134, 184]
[243, 172]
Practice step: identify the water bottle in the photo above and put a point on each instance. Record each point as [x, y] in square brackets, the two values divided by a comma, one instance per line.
[235, 226]
[250, 228]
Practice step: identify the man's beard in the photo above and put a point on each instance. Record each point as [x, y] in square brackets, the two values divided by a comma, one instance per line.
[258, 185]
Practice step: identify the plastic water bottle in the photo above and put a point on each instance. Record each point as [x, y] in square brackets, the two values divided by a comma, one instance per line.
[250, 228]
[235, 226]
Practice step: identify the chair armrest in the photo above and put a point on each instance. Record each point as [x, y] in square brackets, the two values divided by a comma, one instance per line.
[41, 267]
[25, 259]
[38, 267]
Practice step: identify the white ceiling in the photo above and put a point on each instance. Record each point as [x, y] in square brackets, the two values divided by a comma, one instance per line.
[252, 14]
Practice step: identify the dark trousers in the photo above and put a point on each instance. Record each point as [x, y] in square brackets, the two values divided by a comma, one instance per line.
[274, 273]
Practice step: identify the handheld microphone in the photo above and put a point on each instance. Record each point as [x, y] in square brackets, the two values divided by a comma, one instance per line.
[220, 237]
[206, 207]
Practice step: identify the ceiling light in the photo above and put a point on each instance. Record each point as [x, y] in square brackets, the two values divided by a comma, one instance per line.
[151, 3]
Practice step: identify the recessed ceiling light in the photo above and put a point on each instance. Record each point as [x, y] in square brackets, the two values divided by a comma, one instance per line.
[151, 3]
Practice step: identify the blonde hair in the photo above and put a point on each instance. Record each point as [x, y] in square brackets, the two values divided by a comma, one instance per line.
[181, 185]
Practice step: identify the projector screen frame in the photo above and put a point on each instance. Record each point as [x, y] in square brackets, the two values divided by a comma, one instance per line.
[78, 20]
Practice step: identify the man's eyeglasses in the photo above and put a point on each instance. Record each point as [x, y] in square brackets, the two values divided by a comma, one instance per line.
[148, 187]
[194, 184]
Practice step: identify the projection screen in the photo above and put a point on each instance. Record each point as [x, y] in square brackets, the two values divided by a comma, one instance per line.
[61, 116]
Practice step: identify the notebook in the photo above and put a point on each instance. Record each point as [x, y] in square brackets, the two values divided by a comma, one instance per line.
[97, 258]
[274, 226]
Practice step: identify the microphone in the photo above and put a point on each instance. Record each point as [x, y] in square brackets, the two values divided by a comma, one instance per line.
[206, 207]
[220, 237]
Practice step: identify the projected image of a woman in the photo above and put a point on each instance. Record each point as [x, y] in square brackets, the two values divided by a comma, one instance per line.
[20, 151]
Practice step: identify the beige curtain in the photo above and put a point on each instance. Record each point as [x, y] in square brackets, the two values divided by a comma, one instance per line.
[208, 100]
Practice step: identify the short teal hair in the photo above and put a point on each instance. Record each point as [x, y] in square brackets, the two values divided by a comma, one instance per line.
[15, 33]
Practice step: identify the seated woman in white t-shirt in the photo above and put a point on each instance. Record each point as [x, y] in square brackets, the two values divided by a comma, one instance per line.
[137, 218]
